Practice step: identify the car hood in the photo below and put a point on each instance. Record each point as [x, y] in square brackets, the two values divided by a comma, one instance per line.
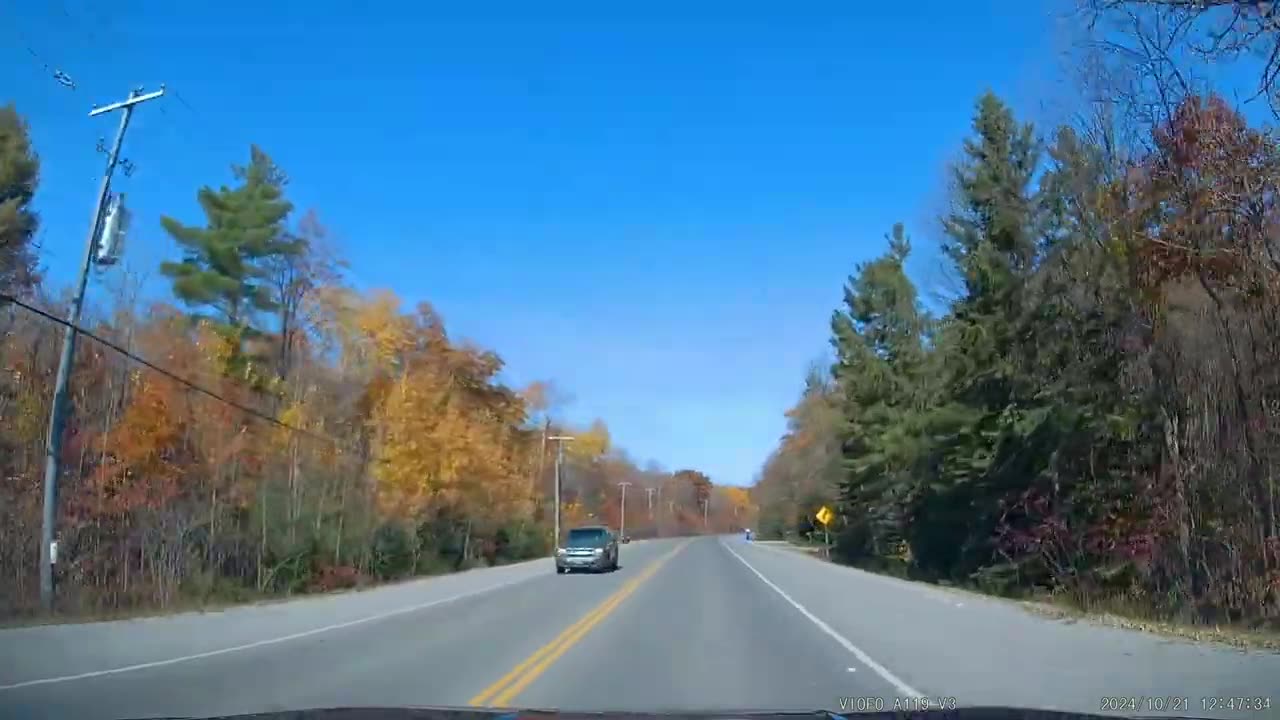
[466, 713]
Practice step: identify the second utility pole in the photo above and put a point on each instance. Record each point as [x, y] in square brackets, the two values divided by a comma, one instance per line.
[622, 511]
[53, 441]
[560, 441]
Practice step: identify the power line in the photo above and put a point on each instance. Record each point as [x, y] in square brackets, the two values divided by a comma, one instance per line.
[84, 27]
[178, 96]
[88, 29]
[170, 374]
[208, 128]
[65, 80]
[54, 72]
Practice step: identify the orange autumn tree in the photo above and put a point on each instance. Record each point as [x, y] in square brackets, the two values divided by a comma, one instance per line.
[142, 468]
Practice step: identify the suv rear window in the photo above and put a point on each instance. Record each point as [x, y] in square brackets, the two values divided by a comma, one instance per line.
[587, 537]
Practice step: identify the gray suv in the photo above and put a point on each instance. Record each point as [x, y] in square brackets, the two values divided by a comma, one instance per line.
[592, 548]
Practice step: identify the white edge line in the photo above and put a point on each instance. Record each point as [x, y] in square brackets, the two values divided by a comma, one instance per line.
[930, 592]
[261, 643]
[864, 658]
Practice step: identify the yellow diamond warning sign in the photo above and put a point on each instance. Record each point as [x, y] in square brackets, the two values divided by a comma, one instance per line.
[824, 515]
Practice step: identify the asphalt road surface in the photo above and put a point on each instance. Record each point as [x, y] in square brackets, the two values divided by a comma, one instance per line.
[685, 624]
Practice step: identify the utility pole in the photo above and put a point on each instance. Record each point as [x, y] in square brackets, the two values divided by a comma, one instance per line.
[57, 413]
[542, 456]
[706, 505]
[560, 440]
[648, 493]
[660, 523]
[622, 512]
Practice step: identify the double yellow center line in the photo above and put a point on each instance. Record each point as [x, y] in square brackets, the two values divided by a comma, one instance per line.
[501, 693]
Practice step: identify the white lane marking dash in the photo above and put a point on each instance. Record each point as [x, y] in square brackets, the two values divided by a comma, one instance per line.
[857, 652]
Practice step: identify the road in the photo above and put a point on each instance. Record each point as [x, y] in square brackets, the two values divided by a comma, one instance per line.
[702, 623]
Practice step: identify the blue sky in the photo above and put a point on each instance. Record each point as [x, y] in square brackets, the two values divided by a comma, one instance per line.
[653, 205]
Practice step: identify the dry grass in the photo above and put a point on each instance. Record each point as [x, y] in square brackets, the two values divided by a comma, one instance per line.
[1110, 613]
[1123, 615]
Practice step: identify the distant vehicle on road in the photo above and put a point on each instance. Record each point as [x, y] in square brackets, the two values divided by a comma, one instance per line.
[626, 539]
[593, 547]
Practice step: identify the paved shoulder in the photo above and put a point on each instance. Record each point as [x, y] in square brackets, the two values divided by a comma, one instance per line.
[984, 651]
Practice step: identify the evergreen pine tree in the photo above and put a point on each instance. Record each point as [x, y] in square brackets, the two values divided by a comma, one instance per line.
[19, 175]
[991, 239]
[878, 344]
[225, 266]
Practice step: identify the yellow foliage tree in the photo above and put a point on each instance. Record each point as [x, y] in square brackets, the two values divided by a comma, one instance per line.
[447, 436]
[592, 443]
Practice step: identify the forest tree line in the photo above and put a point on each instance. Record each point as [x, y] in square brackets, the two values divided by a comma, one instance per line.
[1095, 414]
[315, 437]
